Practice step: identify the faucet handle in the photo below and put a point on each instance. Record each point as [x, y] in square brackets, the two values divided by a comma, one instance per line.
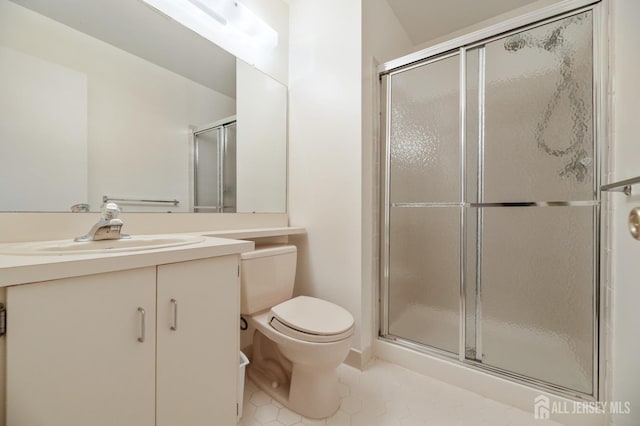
[110, 211]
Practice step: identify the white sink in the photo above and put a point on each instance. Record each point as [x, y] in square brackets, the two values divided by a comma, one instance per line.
[70, 247]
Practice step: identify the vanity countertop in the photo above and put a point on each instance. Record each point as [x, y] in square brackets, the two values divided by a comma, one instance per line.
[21, 269]
[253, 232]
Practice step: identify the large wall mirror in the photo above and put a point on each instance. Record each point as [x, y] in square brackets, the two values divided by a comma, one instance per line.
[113, 100]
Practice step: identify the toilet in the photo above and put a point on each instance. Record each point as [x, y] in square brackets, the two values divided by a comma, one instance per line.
[299, 342]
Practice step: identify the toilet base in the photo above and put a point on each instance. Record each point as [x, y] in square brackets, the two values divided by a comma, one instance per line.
[280, 394]
[310, 390]
[314, 392]
[311, 393]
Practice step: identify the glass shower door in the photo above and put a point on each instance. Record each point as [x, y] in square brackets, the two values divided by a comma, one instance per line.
[207, 160]
[423, 209]
[490, 247]
[534, 204]
[214, 164]
[229, 180]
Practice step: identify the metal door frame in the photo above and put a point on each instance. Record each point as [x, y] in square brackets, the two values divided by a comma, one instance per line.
[220, 127]
[459, 46]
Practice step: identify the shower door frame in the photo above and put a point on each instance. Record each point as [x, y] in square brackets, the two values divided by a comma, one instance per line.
[220, 127]
[459, 47]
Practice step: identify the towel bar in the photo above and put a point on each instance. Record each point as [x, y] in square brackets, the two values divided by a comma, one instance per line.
[621, 186]
[106, 199]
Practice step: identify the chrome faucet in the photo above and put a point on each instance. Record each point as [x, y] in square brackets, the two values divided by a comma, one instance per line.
[107, 228]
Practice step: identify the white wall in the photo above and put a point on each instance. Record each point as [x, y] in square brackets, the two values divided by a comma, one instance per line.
[261, 148]
[43, 134]
[625, 288]
[138, 113]
[325, 134]
[383, 39]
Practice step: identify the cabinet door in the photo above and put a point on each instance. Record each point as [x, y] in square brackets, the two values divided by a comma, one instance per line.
[198, 341]
[74, 355]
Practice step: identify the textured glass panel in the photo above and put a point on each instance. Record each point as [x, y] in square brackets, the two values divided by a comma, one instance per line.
[206, 193]
[537, 293]
[229, 170]
[424, 275]
[538, 129]
[425, 141]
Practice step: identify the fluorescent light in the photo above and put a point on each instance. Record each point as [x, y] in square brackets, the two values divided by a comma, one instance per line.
[247, 22]
[209, 11]
[229, 18]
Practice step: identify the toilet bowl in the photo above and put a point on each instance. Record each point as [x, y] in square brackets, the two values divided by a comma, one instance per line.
[299, 342]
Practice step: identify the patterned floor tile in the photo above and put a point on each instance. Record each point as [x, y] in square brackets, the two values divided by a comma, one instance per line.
[388, 395]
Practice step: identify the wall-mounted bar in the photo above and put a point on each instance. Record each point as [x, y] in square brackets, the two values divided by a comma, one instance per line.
[106, 199]
[621, 186]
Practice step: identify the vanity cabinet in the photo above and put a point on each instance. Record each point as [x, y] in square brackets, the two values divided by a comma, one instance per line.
[198, 342]
[73, 355]
[150, 346]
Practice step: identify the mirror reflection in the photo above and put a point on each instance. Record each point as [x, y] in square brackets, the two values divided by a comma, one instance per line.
[93, 108]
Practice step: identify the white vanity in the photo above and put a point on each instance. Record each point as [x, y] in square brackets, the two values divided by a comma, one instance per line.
[131, 337]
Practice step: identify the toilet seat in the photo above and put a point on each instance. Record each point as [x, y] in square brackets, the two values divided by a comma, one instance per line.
[311, 320]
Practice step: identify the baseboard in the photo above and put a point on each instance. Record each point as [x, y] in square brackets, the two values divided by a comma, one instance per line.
[354, 359]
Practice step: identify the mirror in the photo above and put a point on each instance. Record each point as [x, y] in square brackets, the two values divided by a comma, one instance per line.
[104, 100]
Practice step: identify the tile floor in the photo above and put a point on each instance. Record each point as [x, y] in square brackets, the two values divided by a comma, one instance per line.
[388, 395]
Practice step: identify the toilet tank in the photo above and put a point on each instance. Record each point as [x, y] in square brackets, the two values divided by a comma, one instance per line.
[267, 275]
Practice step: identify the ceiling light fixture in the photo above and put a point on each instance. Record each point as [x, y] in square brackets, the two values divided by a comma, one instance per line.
[213, 19]
[208, 10]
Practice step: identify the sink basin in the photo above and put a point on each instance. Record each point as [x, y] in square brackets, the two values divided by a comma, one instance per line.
[135, 243]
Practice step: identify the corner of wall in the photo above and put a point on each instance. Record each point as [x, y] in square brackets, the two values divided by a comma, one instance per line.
[325, 158]
[383, 38]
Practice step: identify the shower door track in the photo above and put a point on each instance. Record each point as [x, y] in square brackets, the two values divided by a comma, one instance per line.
[488, 369]
[458, 46]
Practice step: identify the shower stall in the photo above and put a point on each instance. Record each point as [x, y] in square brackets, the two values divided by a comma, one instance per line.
[490, 206]
[214, 167]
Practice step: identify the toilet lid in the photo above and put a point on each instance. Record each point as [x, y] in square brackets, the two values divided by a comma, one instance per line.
[311, 319]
